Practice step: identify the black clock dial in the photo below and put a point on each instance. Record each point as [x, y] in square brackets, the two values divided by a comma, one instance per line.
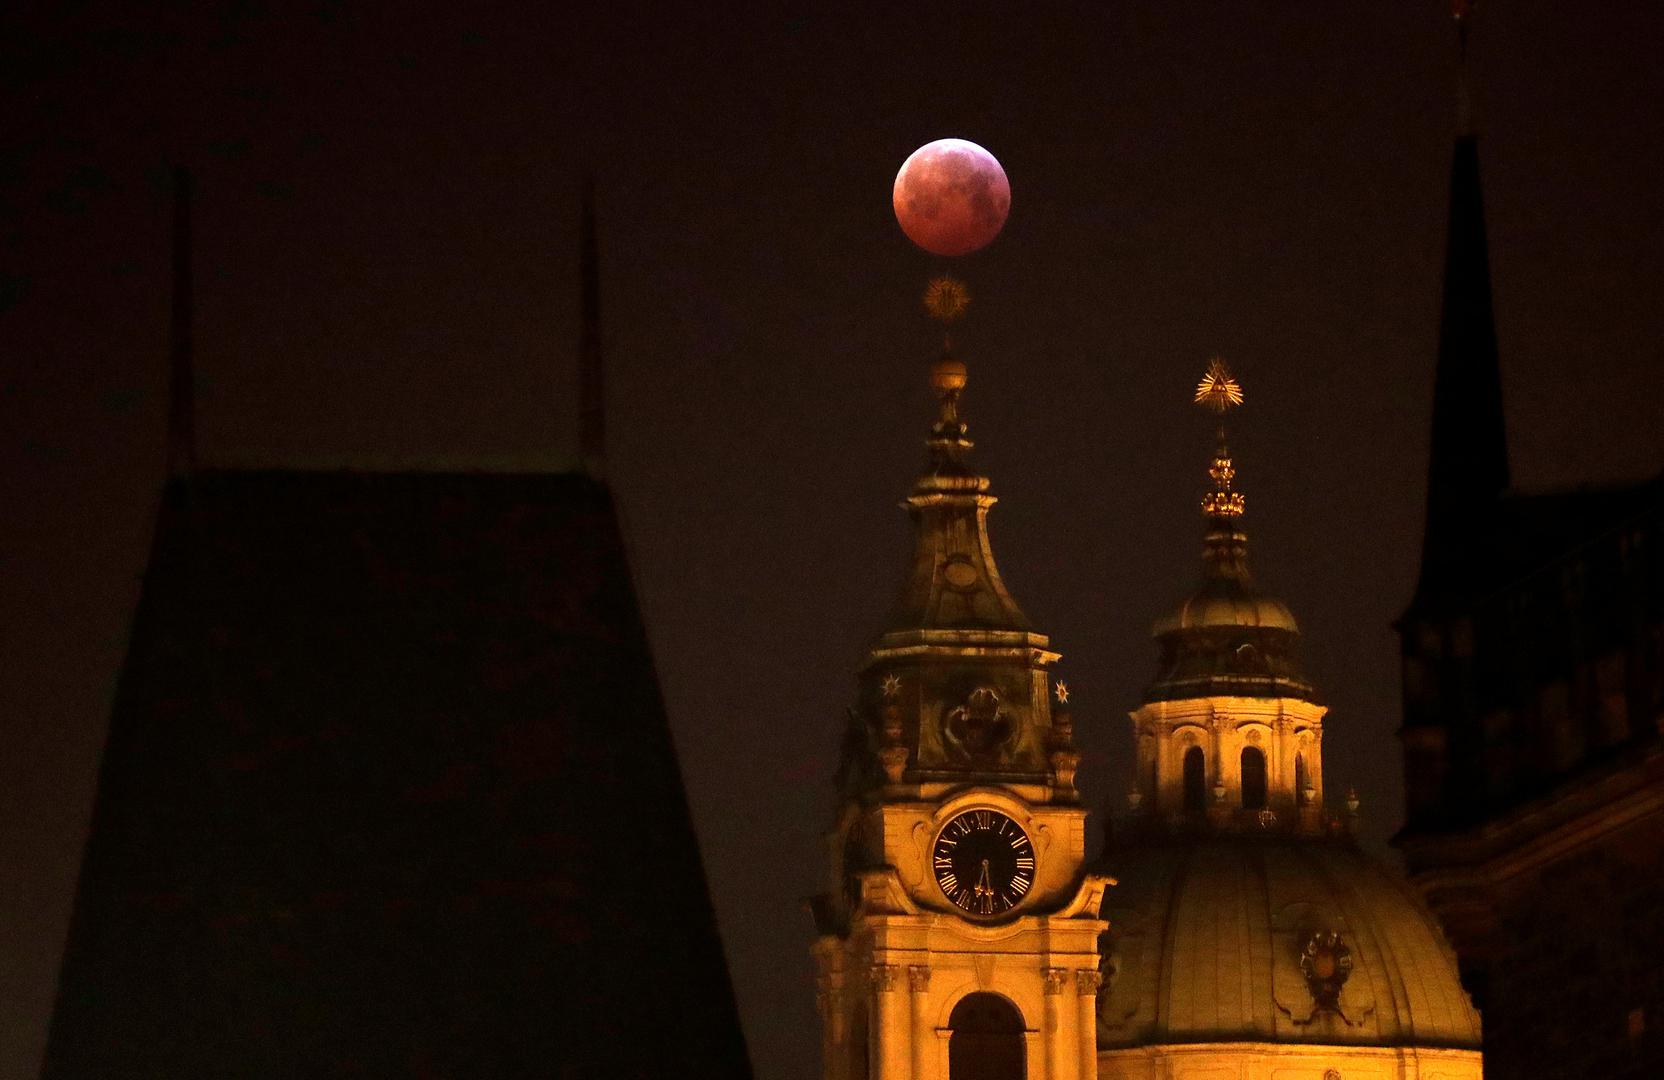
[983, 862]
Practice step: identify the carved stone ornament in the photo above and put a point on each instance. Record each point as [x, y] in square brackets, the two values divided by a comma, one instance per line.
[1056, 980]
[1253, 736]
[979, 728]
[884, 976]
[1326, 963]
[1087, 982]
[1065, 763]
[894, 761]
[918, 978]
[892, 724]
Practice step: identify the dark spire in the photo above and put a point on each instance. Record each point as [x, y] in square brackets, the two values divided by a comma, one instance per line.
[592, 416]
[181, 363]
[1468, 464]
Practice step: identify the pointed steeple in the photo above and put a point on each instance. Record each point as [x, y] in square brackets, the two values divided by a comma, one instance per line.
[958, 685]
[954, 583]
[181, 361]
[592, 416]
[1468, 464]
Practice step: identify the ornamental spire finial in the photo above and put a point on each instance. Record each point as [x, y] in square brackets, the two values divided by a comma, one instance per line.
[945, 300]
[1220, 392]
[1463, 12]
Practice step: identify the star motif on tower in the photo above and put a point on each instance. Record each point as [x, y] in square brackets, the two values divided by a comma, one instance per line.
[1062, 692]
[1218, 389]
[892, 685]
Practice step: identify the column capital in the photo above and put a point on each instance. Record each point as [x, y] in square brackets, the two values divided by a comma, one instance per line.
[884, 976]
[1056, 979]
[918, 978]
[1087, 981]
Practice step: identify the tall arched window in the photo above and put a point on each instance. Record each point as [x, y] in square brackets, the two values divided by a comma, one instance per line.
[1301, 780]
[1195, 781]
[987, 1041]
[1253, 778]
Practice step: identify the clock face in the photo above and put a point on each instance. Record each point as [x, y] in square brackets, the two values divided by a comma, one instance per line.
[983, 862]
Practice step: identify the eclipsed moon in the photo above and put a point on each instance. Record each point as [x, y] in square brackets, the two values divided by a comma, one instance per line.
[951, 197]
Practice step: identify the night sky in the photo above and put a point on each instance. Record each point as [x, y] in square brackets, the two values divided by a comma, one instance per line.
[387, 223]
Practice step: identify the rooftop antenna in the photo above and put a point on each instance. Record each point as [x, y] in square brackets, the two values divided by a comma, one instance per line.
[592, 416]
[181, 363]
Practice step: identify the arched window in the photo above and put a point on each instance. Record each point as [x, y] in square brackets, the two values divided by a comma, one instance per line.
[1195, 781]
[1253, 778]
[1301, 780]
[987, 1041]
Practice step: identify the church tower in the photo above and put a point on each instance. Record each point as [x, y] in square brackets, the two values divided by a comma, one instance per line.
[958, 939]
[1249, 937]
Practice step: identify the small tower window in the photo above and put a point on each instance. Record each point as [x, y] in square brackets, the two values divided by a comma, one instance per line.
[987, 1041]
[1195, 781]
[1253, 778]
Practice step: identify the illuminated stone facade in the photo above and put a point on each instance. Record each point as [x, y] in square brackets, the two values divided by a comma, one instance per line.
[959, 936]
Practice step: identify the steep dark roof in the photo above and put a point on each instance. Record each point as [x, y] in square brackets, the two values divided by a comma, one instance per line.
[1467, 467]
[389, 792]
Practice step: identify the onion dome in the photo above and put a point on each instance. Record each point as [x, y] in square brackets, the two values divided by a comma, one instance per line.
[1227, 637]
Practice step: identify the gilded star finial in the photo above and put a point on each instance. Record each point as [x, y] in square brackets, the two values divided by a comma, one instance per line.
[1220, 392]
[946, 299]
[1062, 692]
[892, 685]
[1218, 389]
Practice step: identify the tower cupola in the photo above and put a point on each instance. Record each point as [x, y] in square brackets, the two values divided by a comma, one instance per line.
[1230, 731]
[1227, 636]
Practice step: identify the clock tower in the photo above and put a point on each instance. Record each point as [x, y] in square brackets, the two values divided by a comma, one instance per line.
[958, 938]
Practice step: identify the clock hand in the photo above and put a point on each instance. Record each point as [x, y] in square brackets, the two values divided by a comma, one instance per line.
[985, 890]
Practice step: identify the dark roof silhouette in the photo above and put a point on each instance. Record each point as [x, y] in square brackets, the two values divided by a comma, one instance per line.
[1468, 465]
[389, 792]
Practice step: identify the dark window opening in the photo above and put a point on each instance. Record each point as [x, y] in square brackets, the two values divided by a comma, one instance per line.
[1195, 781]
[1253, 778]
[987, 1041]
[1302, 782]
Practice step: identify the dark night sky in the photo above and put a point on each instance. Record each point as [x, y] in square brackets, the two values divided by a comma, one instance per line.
[387, 231]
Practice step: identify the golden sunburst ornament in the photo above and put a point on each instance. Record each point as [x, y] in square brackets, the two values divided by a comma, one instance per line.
[1218, 389]
[946, 299]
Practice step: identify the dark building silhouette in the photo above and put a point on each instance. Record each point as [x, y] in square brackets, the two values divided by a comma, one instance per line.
[389, 792]
[1533, 679]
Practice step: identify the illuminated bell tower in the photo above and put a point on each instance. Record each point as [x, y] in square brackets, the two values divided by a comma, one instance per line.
[958, 940]
[1230, 734]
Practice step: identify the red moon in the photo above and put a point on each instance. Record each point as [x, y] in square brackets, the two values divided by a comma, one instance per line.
[951, 197]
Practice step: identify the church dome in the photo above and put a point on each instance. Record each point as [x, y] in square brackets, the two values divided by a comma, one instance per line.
[1273, 940]
[1228, 637]
[1227, 597]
